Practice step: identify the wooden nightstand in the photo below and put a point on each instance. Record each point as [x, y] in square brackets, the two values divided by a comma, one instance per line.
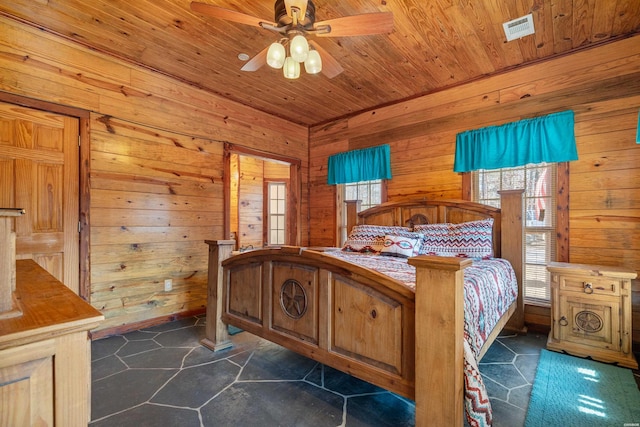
[591, 312]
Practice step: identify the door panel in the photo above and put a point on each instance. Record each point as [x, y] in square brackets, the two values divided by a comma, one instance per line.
[39, 171]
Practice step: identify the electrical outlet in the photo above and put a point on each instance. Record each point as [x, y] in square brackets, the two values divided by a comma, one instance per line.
[168, 285]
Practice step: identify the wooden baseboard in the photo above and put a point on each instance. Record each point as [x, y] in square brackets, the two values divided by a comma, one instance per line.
[123, 329]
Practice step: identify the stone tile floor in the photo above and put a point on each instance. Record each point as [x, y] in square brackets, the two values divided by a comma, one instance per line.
[163, 376]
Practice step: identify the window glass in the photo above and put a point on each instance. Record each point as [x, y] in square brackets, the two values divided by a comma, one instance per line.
[276, 215]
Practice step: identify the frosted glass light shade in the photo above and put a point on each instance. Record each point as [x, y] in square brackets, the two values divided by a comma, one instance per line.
[276, 55]
[299, 48]
[291, 68]
[313, 63]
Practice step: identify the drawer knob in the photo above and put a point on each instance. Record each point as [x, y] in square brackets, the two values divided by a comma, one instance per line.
[588, 288]
[563, 321]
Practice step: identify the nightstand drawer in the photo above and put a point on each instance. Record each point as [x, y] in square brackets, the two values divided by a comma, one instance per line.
[590, 285]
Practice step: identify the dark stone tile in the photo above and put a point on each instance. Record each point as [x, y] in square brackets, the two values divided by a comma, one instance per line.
[273, 362]
[158, 358]
[345, 384]
[126, 389]
[278, 387]
[498, 352]
[504, 374]
[520, 396]
[106, 346]
[527, 364]
[200, 355]
[380, 409]
[193, 387]
[106, 366]
[238, 354]
[136, 347]
[494, 389]
[169, 326]
[151, 415]
[183, 337]
[294, 403]
[140, 335]
[525, 344]
[506, 415]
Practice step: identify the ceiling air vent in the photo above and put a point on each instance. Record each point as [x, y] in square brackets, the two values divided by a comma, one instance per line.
[519, 27]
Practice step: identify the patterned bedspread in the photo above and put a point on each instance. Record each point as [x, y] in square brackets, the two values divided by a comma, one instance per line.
[490, 286]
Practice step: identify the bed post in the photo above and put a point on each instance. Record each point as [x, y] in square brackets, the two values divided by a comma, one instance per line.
[439, 321]
[353, 206]
[216, 333]
[512, 248]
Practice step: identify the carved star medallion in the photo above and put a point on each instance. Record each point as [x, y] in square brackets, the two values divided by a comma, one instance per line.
[293, 299]
[589, 321]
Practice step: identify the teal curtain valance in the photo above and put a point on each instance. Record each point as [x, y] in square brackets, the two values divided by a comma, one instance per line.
[360, 165]
[547, 139]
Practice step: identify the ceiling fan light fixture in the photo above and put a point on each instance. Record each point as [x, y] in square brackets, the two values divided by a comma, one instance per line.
[276, 55]
[299, 48]
[291, 68]
[313, 63]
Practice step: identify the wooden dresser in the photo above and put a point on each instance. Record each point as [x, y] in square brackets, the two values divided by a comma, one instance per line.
[45, 353]
[591, 312]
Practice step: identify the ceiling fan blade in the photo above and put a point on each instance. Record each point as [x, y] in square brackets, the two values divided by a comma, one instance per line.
[226, 14]
[357, 25]
[257, 61]
[300, 4]
[330, 66]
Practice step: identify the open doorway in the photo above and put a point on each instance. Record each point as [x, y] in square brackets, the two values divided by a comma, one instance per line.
[262, 194]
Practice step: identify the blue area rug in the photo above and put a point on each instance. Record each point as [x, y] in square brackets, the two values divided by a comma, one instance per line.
[571, 391]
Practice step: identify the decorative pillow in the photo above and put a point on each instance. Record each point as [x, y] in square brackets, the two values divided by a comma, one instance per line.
[401, 246]
[473, 239]
[370, 238]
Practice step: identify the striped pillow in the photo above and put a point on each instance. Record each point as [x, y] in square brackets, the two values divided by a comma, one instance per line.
[473, 239]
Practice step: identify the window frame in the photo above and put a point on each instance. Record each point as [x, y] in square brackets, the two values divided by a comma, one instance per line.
[267, 211]
[562, 211]
[341, 211]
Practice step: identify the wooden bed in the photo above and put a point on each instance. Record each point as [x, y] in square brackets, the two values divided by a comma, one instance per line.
[362, 322]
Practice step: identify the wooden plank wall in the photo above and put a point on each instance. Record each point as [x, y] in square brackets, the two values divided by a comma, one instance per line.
[251, 201]
[602, 86]
[156, 168]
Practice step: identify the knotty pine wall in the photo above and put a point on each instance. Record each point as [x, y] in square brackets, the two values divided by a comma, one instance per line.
[155, 168]
[602, 86]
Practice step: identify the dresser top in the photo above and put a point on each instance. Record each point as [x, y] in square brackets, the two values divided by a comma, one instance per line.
[48, 307]
[592, 270]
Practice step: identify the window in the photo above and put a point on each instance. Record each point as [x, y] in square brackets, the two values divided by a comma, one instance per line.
[539, 182]
[368, 192]
[276, 209]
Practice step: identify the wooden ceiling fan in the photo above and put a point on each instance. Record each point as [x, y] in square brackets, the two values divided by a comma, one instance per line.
[298, 17]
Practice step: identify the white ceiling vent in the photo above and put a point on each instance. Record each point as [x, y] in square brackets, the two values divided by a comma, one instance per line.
[519, 27]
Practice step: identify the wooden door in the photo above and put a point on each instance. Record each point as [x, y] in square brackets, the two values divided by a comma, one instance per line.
[39, 172]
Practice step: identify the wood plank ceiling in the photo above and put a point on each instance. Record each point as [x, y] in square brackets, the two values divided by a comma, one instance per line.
[435, 44]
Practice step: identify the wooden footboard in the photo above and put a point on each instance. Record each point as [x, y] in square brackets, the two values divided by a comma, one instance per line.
[359, 321]
[340, 314]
